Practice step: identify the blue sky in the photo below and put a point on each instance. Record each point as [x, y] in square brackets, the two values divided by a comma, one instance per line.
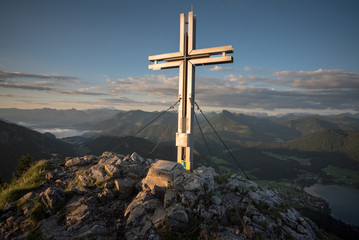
[289, 56]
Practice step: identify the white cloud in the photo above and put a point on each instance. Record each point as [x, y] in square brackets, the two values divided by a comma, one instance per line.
[319, 79]
[221, 68]
[8, 75]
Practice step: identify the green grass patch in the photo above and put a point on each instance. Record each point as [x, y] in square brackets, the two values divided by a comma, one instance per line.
[282, 186]
[32, 179]
[344, 175]
[288, 157]
[224, 165]
[36, 214]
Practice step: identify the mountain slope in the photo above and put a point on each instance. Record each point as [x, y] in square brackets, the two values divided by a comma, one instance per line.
[128, 123]
[249, 128]
[330, 140]
[16, 140]
[310, 125]
[344, 122]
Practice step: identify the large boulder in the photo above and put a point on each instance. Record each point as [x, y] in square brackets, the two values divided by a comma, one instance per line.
[161, 176]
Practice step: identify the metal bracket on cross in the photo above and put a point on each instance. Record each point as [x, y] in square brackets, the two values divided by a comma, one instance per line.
[186, 59]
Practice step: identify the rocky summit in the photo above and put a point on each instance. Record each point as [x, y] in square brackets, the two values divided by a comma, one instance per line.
[128, 197]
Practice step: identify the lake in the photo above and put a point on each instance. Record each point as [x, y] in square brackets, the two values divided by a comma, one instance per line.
[59, 132]
[343, 201]
[64, 132]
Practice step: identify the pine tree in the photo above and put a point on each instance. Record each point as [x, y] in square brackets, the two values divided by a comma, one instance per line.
[24, 163]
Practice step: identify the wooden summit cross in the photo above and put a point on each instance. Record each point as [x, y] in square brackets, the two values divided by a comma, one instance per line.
[186, 60]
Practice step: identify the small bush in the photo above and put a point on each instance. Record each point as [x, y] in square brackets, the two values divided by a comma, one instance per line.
[23, 165]
[223, 178]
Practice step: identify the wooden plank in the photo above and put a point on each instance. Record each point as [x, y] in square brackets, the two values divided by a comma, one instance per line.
[191, 32]
[211, 60]
[214, 50]
[165, 65]
[164, 57]
[183, 30]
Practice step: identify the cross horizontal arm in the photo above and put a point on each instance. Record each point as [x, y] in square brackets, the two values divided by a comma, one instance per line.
[212, 51]
[159, 66]
[211, 60]
[163, 57]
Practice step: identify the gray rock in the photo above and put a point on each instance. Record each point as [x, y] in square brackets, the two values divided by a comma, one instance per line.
[52, 196]
[138, 201]
[158, 217]
[108, 161]
[107, 155]
[170, 197]
[27, 197]
[134, 170]
[207, 177]
[80, 190]
[177, 218]
[189, 198]
[74, 203]
[97, 228]
[151, 205]
[137, 158]
[125, 187]
[79, 161]
[109, 185]
[9, 206]
[50, 176]
[161, 176]
[192, 183]
[136, 216]
[216, 200]
[78, 217]
[50, 229]
[106, 194]
[112, 170]
[97, 173]
[86, 180]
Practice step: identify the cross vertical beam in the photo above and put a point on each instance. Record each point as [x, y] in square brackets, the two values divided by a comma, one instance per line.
[185, 60]
[184, 136]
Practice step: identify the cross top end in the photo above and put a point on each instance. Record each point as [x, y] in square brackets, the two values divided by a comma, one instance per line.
[187, 51]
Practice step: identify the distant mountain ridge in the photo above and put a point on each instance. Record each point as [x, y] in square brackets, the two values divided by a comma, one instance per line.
[128, 123]
[55, 118]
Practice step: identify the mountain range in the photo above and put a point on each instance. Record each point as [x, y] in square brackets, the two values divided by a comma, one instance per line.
[247, 136]
[47, 117]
